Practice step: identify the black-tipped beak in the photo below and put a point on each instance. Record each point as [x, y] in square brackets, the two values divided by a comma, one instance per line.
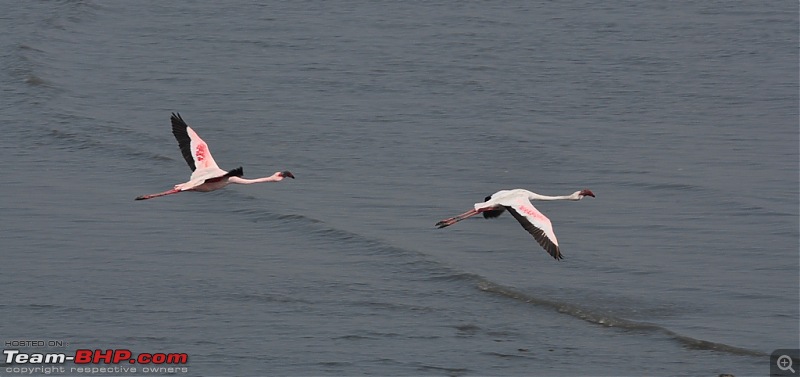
[587, 193]
[287, 174]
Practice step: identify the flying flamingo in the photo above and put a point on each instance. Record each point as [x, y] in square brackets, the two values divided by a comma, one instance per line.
[206, 175]
[517, 202]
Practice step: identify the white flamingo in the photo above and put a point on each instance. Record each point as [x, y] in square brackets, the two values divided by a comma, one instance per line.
[206, 175]
[518, 203]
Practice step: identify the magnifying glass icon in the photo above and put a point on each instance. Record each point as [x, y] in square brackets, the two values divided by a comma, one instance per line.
[785, 363]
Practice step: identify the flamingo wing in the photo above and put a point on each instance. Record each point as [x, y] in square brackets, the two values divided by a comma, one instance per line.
[537, 224]
[195, 151]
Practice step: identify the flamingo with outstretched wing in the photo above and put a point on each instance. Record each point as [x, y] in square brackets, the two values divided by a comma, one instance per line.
[206, 175]
[518, 203]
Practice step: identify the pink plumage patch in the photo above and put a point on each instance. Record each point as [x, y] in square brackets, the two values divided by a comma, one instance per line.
[532, 212]
[200, 153]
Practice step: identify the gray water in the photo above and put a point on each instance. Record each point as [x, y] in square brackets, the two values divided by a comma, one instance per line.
[681, 116]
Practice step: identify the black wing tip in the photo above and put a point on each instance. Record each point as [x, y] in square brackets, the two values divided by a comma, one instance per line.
[179, 130]
[493, 213]
[177, 120]
[238, 172]
[538, 235]
[550, 247]
[553, 250]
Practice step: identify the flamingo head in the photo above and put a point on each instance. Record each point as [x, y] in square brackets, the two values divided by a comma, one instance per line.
[288, 174]
[586, 192]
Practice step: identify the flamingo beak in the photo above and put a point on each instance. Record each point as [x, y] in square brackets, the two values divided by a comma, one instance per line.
[286, 174]
[587, 193]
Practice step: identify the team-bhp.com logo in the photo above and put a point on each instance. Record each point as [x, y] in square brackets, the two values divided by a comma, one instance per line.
[90, 361]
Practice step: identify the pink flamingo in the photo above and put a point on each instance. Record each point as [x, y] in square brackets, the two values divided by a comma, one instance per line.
[206, 175]
[517, 202]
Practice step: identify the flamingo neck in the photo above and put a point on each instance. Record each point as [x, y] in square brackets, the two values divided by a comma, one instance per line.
[534, 196]
[245, 181]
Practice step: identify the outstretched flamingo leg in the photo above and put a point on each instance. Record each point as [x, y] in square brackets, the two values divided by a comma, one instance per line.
[455, 219]
[150, 196]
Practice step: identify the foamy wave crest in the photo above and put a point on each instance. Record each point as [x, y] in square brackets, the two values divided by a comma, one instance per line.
[416, 262]
[607, 320]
